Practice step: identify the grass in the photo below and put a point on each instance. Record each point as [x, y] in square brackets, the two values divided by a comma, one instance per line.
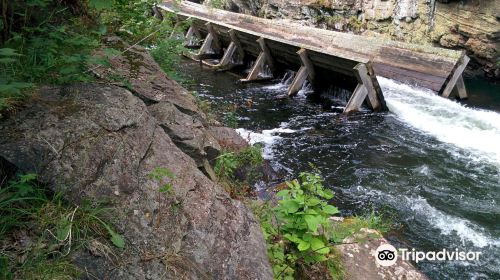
[39, 231]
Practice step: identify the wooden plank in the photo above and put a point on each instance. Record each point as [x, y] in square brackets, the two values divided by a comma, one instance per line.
[365, 79]
[256, 69]
[298, 81]
[357, 99]
[234, 38]
[267, 53]
[307, 63]
[460, 86]
[216, 45]
[455, 75]
[206, 47]
[228, 56]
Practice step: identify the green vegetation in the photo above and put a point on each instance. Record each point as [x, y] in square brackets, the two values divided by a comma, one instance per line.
[246, 161]
[299, 233]
[48, 42]
[39, 231]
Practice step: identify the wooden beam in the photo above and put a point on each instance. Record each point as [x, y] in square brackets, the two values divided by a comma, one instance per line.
[455, 75]
[357, 99]
[216, 44]
[236, 41]
[227, 61]
[191, 35]
[207, 45]
[369, 80]
[460, 86]
[298, 81]
[256, 69]
[228, 56]
[307, 63]
[267, 52]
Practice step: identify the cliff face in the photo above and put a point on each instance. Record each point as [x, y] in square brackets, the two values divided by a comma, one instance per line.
[470, 25]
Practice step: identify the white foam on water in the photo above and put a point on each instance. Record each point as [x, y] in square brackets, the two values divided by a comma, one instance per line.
[267, 137]
[448, 225]
[476, 132]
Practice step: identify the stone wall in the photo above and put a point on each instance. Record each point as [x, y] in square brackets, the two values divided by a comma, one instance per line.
[473, 25]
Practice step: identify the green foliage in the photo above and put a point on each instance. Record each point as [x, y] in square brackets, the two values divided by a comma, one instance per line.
[296, 229]
[227, 163]
[54, 227]
[231, 119]
[167, 54]
[300, 234]
[162, 175]
[54, 42]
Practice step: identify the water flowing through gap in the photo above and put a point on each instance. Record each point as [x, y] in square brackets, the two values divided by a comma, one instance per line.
[432, 162]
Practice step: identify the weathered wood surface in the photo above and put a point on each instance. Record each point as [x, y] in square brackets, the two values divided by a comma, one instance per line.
[419, 65]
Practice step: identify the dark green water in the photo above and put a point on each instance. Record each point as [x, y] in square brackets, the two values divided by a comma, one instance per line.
[432, 163]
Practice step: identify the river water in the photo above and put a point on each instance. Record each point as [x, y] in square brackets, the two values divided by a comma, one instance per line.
[431, 164]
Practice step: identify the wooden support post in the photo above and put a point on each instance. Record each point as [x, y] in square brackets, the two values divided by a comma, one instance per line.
[175, 31]
[269, 59]
[191, 35]
[460, 86]
[227, 60]
[256, 69]
[306, 71]
[357, 99]
[456, 79]
[367, 87]
[298, 81]
[307, 63]
[236, 41]
[228, 56]
[216, 44]
[206, 46]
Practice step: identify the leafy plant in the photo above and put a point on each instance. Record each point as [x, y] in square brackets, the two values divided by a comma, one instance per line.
[227, 163]
[297, 228]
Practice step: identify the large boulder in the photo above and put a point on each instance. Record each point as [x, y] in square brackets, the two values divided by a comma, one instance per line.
[100, 142]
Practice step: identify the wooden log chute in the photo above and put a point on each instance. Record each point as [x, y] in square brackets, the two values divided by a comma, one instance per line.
[278, 42]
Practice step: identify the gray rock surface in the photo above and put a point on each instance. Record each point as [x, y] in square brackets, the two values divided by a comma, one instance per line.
[101, 142]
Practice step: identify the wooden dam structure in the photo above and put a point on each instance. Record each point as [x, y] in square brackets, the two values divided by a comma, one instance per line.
[230, 37]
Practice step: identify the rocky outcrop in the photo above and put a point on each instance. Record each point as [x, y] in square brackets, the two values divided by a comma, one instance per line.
[359, 259]
[101, 142]
[470, 25]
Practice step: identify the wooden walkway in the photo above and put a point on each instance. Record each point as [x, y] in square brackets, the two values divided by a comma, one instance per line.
[231, 36]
